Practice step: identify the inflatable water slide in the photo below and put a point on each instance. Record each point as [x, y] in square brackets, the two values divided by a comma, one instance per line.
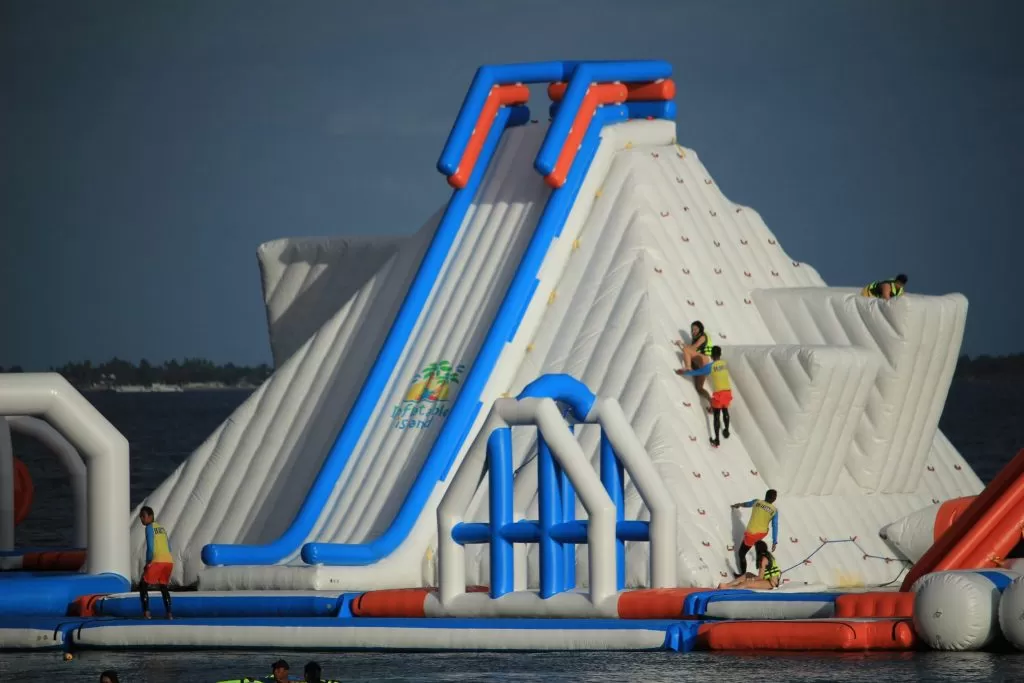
[583, 247]
[483, 419]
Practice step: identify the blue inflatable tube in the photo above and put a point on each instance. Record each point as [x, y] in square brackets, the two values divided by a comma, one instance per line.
[377, 379]
[564, 389]
[582, 77]
[51, 595]
[467, 404]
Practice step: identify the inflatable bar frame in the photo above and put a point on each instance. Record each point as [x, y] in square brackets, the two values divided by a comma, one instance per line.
[563, 467]
[467, 405]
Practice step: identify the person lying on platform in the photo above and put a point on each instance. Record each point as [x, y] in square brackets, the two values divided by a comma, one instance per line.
[696, 354]
[721, 392]
[762, 514]
[768, 573]
[886, 289]
[159, 562]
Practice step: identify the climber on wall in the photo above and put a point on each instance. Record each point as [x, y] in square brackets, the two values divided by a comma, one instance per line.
[696, 354]
[762, 514]
[721, 388]
[886, 289]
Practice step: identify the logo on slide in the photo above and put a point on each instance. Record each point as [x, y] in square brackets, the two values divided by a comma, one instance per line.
[427, 396]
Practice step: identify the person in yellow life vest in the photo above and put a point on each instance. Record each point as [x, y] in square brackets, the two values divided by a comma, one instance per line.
[768, 573]
[886, 289]
[696, 353]
[159, 562]
[763, 513]
[721, 392]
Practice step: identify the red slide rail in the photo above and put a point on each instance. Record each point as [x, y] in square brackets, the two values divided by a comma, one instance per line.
[984, 533]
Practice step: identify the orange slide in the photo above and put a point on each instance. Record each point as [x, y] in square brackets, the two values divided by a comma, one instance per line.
[984, 533]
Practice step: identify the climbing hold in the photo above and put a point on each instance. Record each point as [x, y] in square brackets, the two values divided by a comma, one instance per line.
[822, 539]
[957, 468]
[664, 214]
[930, 468]
[680, 180]
[551, 297]
[747, 301]
[657, 270]
[685, 238]
[754, 472]
[747, 273]
[717, 243]
[718, 271]
[686, 271]
[533, 121]
[853, 539]
[730, 547]
[687, 404]
[692, 437]
[680, 152]
[576, 244]
[712, 212]
[771, 241]
[794, 540]
[722, 335]
[796, 264]
[724, 575]
[739, 209]
[629, 144]
[701, 511]
[529, 347]
[690, 301]
[709, 181]
[654, 155]
[697, 475]
[705, 544]
[807, 562]
[775, 273]
[725, 474]
[935, 500]
[599, 192]
[719, 302]
[743, 242]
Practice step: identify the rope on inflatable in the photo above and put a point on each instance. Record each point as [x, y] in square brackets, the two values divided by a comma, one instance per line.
[905, 564]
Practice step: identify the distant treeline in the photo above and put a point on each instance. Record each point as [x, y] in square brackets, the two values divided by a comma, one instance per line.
[991, 366]
[117, 372]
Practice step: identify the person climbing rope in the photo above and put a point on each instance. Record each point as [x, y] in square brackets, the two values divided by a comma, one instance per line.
[721, 391]
[886, 289]
[696, 354]
[763, 514]
[768, 573]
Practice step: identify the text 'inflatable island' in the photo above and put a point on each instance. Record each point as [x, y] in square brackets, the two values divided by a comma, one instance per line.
[483, 421]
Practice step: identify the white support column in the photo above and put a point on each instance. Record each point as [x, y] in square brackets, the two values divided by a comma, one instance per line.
[51, 397]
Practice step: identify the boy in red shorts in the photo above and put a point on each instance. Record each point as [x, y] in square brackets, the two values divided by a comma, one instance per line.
[721, 391]
[159, 562]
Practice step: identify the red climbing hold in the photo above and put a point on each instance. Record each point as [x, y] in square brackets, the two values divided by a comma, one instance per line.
[794, 540]
[657, 270]
[664, 214]
[701, 511]
[775, 273]
[747, 273]
[796, 264]
[771, 241]
[687, 404]
[930, 468]
[747, 301]
[935, 500]
[725, 474]
[680, 180]
[685, 238]
[719, 302]
[743, 242]
[957, 467]
[754, 472]
[654, 154]
[712, 212]
[690, 301]
[692, 437]
[709, 181]
[686, 271]
[718, 271]
[697, 475]
[705, 544]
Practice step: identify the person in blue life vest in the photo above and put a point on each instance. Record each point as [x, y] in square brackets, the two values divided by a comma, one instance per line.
[721, 392]
[696, 354]
[159, 562]
[768, 573]
[886, 289]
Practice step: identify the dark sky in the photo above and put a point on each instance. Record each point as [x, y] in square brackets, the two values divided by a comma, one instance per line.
[147, 149]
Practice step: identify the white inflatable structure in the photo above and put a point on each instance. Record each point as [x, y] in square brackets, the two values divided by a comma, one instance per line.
[391, 352]
[81, 429]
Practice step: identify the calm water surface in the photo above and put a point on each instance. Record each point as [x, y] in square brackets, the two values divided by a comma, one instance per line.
[983, 419]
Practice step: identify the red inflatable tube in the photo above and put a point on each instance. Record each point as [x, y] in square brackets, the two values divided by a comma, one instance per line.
[609, 93]
[398, 602]
[654, 603]
[819, 634]
[877, 604]
[500, 95]
[24, 491]
[655, 91]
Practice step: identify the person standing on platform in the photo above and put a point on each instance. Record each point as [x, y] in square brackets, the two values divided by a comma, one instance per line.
[159, 562]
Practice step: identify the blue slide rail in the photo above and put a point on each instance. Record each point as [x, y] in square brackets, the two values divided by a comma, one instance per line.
[467, 405]
[556, 531]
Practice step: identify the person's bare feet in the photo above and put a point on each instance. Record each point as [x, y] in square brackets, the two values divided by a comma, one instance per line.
[147, 615]
[170, 616]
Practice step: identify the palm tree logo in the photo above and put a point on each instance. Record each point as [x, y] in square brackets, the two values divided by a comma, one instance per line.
[433, 382]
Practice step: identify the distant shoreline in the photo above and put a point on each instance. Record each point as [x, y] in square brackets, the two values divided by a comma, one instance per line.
[164, 388]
